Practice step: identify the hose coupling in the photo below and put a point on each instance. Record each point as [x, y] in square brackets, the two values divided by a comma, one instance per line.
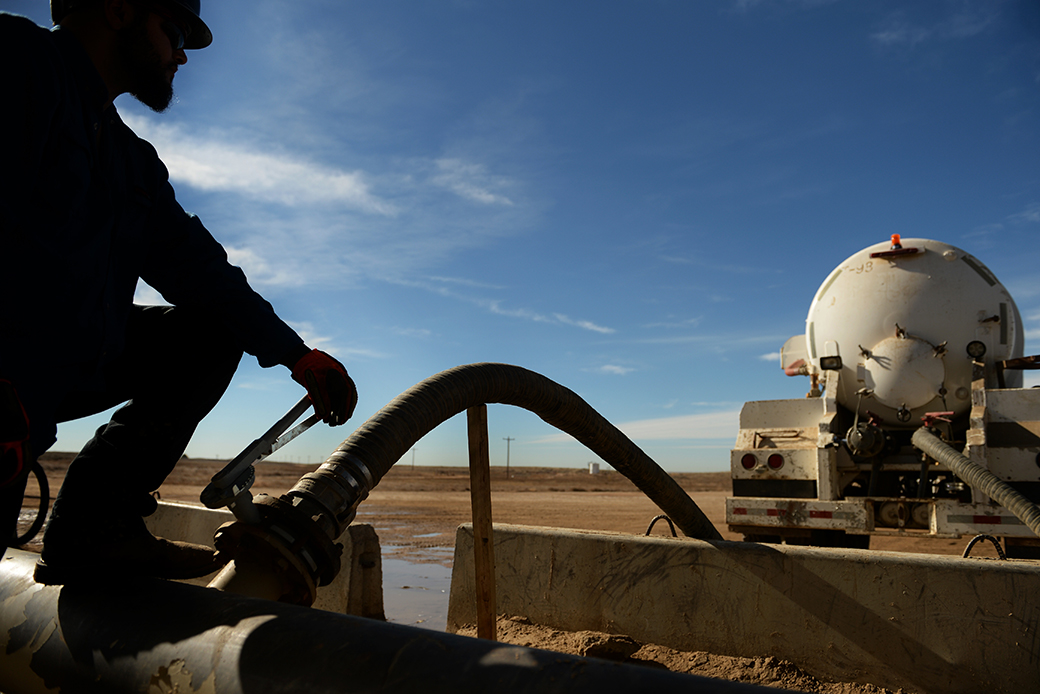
[295, 551]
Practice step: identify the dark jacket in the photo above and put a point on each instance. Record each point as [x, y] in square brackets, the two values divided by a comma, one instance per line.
[86, 209]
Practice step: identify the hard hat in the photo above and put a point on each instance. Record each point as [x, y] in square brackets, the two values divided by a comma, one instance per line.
[199, 35]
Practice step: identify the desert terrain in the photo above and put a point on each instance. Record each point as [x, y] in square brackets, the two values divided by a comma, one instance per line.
[415, 511]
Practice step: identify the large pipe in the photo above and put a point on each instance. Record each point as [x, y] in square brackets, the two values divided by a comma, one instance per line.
[321, 505]
[979, 478]
[153, 636]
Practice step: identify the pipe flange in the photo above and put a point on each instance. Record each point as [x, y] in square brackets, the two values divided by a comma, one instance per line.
[317, 548]
[258, 541]
[300, 547]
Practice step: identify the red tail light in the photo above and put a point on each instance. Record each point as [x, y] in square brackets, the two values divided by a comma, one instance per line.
[749, 461]
[775, 461]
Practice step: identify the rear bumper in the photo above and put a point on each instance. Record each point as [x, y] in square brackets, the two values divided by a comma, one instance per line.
[936, 517]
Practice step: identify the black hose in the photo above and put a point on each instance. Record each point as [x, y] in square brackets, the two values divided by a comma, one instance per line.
[979, 478]
[330, 495]
[41, 509]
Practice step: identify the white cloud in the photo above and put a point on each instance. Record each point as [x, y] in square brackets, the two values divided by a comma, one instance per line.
[470, 181]
[972, 19]
[747, 5]
[465, 282]
[614, 369]
[289, 220]
[711, 425]
[258, 384]
[687, 323]
[712, 339]
[495, 305]
[901, 33]
[259, 270]
[1023, 287]
[714, 425]
[773, 357]
[315, 340]
[715, 265]
[216, 163]
[587, 325]
[966, 20]
[1029, 215]
[984, 231]
[411, 332]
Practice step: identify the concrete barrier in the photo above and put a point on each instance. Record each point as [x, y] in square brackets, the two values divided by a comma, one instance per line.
[925, 623]
[356, 590]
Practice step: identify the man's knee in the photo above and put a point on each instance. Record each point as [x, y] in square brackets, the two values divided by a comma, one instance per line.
[190, 335]
[224, 355]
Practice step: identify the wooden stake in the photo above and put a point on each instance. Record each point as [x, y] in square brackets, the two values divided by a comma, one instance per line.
[483, 542]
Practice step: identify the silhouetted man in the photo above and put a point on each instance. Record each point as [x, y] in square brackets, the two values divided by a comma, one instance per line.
[86, 210]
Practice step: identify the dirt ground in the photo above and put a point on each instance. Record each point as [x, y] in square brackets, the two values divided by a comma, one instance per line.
[416, 508]
[415, 511]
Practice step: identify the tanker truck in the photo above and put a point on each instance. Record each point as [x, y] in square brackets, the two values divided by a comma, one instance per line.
[904, 336]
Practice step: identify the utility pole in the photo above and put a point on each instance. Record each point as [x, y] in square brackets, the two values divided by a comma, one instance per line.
[507, 440]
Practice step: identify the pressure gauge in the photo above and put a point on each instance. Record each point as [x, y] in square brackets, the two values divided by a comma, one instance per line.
[976, 349]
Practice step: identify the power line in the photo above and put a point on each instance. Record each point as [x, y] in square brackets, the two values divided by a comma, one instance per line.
[508, 439]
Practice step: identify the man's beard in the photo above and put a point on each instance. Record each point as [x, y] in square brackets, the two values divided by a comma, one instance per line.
[148, 81]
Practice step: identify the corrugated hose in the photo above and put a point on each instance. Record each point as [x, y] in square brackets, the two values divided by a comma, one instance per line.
[358, 464]
[979, 478]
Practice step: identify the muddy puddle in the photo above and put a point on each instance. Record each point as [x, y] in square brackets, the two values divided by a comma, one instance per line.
[416, 594]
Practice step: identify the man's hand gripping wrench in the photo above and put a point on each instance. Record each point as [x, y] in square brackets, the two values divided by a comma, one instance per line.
[230, 486]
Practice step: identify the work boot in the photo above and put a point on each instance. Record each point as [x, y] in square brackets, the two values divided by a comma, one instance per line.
[86, 550]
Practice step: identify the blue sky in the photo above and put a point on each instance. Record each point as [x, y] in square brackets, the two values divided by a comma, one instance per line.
[636, 199]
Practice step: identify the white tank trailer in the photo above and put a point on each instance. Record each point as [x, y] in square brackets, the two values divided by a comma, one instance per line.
[903, 335]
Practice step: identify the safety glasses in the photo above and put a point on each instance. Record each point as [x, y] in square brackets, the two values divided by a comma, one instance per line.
[169, 25]
[174, 33]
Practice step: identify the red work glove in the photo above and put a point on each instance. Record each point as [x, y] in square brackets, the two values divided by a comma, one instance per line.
[14, 436]
[332, 393]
